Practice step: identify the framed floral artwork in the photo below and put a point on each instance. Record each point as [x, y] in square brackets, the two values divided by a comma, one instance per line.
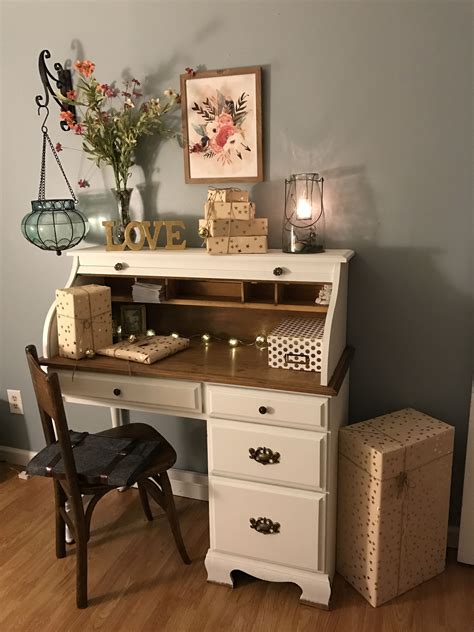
[222, 125]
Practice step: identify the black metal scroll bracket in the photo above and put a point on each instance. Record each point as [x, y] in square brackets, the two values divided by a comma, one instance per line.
[63, 82]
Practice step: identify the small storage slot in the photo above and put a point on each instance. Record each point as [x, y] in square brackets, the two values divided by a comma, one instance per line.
[121, 288]
[298, 293]
[258, 292]
[205, 290]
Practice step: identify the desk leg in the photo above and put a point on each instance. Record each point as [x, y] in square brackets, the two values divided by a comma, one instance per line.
[120, 417]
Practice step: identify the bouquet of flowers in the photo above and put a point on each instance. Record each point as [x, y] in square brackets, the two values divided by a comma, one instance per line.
[113, 121]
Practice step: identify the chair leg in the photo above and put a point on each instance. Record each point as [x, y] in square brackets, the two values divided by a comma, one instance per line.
[173, 516]
[145, 502]
[81, 537]
[59, 502]
[81, 571]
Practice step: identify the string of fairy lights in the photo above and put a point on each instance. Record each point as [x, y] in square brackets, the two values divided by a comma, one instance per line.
[260, 341]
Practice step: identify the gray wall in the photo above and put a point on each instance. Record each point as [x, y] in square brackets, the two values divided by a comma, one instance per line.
[375, 95]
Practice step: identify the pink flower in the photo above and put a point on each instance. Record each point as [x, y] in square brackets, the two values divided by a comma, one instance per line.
[69, 118]
[126, 94]
[136, 82]
[225, 119]
[137, 94]
[190, 71]
[79, 129]
[223, 134]
[83, 184]
[196, 149]
[71, 94]
[85, 68]
[58, 147]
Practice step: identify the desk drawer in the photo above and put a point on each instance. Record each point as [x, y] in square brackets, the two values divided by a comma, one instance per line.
[299, 541]
[267, 407]
[301, 460]
[121, 390]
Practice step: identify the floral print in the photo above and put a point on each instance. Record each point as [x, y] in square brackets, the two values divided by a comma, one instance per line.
[220, 136]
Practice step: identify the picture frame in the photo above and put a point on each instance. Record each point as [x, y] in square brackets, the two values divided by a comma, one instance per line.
[222, 125]
[133, 319]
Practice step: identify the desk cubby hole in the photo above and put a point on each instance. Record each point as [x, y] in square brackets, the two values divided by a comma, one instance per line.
[263, 292]
[204, 291]
[299, 295]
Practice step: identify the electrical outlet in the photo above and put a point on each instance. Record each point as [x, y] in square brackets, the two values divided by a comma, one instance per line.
[14, 399]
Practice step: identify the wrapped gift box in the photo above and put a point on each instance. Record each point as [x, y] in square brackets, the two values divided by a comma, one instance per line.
[229, 210]
[146, 351]
[297, 343]
[394, 482]
[235, 227]
[236, 245]
[227, 195]
[84, 318]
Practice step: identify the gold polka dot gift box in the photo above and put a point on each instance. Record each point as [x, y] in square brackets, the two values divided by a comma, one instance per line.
[84, 320]
[393, 502]
[148, 350]
[296, 343]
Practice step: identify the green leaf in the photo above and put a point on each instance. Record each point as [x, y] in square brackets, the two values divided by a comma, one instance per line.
[199, 129]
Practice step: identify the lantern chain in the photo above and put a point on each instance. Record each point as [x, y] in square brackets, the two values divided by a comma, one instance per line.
[42, 185]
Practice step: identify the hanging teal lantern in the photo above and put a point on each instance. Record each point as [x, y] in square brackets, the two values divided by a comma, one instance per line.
[53, 224]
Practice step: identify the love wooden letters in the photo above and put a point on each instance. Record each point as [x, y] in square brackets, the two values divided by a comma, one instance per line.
[137, 233]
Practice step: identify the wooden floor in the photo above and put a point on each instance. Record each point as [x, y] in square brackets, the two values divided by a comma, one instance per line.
[137, 581]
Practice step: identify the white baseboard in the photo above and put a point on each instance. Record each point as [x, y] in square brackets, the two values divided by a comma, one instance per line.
[16, 456]
[184, 483]
[189, 484]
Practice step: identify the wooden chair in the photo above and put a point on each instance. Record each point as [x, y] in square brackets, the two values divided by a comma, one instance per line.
[71, 487]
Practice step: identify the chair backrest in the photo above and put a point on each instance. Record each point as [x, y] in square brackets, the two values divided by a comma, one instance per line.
[53, 416]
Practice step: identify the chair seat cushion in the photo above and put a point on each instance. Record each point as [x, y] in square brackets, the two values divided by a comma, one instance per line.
[99, 459]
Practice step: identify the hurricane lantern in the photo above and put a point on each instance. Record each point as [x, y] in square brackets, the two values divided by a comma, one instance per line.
[303, 223]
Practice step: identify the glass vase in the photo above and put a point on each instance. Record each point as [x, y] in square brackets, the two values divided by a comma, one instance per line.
[122, 197]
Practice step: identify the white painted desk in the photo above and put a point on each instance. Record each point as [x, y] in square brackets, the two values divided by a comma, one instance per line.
[246, 404]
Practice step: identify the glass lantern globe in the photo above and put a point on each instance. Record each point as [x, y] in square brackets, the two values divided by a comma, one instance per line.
[54, 225]
[303, 222]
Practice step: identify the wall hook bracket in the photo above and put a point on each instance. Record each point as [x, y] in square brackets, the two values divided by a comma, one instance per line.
[62, 81]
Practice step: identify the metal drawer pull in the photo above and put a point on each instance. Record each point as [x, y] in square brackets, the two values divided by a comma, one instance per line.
[263, 410]
[297, 358]
[118, 266]
[117, 392]
[265, 456]
[264, 525]
[278, 271]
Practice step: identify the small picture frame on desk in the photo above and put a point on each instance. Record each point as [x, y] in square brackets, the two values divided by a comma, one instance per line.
[133, 318]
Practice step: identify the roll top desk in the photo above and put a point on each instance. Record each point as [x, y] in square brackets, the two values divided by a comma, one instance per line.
[272, 433]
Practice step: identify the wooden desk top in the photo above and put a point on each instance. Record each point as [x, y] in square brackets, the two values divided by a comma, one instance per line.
[216, 363]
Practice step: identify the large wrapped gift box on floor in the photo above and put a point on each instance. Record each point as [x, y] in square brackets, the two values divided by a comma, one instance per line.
[84, 316]
[394, 482]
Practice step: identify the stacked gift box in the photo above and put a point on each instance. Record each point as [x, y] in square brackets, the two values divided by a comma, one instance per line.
[230, 226]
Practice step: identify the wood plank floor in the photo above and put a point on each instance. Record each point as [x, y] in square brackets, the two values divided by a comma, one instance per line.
[137, 581]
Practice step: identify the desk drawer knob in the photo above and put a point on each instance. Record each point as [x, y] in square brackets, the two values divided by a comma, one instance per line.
[264, 525]
[263, 410]
[278, 271]
[265, 456]
[117, 392]
[118, 266]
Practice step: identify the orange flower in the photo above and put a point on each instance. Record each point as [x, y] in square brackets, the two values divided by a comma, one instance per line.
[85, 68]
[68, 117]
[71, 94]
